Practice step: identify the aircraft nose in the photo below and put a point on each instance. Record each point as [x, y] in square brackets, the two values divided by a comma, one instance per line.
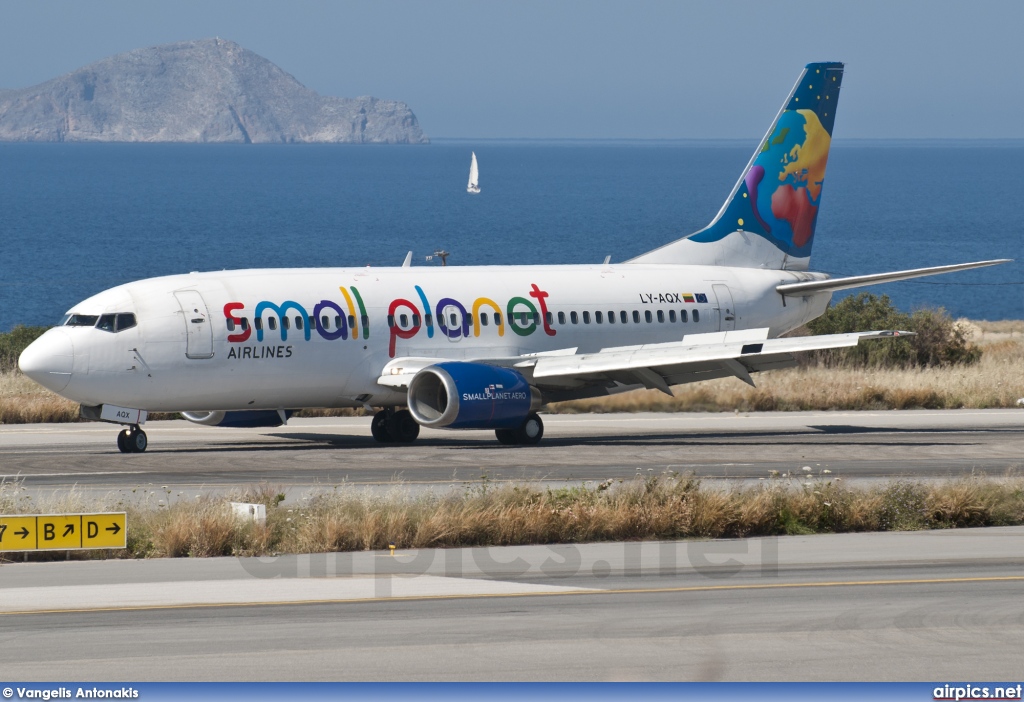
[49, 360]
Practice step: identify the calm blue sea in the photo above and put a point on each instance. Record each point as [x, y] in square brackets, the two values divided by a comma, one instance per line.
[78, 218]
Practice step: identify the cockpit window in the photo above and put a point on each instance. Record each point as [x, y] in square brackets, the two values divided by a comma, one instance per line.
[106, 322]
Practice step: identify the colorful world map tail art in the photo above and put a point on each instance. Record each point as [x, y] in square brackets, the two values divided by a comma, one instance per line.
[769, 218]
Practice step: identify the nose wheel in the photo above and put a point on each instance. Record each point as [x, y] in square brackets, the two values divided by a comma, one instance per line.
[132, 440]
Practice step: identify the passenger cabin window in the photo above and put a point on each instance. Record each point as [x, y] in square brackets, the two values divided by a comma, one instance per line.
[661, 317]
[497, 319]
[403, 320]
[107, 322]
[351, 322]
[598, 317]
[622, 316]
[81, 320]
[245, 322]
[696, 316]
[586, 317]
[483, 319]
[365, 320]
[682, 316]
[574, 317]
[454, 319]
[258, 323]
[548, 318]
[561, 317]
[231, 324]
[337, 321]
[325, 322]
[391, 320]
[272, 323]
[672, 316]
[286, 323]
[415, 320]
[298, 322]
[636, 317]
[647, 316]
[611, 318]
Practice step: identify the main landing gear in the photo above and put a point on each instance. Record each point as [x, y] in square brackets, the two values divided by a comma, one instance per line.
[132, 440]
[528, 433]
[389, 427]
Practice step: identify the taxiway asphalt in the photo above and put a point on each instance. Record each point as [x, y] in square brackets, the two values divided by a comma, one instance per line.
[939, 605]
[326, 452]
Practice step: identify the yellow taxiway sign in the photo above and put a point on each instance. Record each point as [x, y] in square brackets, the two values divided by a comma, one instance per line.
[53, 532]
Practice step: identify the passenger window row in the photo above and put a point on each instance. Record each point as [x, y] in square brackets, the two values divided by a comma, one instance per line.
[624, 317]
[107, 322]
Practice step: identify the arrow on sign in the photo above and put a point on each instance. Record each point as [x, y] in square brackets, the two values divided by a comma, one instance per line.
[69, 529]
[116, 528]
[23, 532]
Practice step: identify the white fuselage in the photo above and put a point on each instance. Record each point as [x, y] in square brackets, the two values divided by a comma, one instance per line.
[198, 347]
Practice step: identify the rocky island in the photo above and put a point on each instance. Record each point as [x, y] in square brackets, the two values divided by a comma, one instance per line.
[204, 91]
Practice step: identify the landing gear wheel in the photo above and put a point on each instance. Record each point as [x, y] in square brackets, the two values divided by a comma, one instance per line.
[132, 440]
[531, 430]
[402, 427]
[506, 436]
[379, 428]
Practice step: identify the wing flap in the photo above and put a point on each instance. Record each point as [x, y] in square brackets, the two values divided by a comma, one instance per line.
[682, 359]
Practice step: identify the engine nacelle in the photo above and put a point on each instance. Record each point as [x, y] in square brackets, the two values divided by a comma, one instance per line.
[241, 419]
[457, 395]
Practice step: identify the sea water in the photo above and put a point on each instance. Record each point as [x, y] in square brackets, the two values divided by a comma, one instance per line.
[76, 219]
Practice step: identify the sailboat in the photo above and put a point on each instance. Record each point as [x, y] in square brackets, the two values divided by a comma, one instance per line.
[474, 176]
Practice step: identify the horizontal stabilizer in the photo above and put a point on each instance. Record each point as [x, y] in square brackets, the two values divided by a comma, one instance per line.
[856, 281]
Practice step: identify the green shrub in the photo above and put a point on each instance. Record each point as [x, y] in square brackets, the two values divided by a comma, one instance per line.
[12, 343]
[939, 341]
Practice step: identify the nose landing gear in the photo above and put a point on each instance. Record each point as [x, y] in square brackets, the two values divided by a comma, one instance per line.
[132, 440]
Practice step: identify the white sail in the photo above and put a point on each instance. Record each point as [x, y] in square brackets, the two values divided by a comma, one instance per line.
[474, 176]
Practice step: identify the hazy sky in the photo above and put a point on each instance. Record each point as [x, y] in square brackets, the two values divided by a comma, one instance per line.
[585, 69]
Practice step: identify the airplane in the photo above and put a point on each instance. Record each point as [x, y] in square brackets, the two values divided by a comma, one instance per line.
[474, 347]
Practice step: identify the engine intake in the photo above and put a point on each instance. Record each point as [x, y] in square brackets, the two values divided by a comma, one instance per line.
[457, 395]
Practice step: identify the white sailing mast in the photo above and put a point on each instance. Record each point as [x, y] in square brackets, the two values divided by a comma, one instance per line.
[474, 176]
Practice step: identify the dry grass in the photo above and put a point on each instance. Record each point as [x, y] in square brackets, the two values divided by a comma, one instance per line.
[997, 380]
[668, 506]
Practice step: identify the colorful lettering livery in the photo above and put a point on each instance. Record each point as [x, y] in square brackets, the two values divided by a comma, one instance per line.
[453, 318]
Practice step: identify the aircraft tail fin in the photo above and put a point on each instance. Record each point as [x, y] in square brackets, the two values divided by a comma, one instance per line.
[769, 217]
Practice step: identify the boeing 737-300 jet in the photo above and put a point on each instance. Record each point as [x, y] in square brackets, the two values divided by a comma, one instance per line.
[474, 347]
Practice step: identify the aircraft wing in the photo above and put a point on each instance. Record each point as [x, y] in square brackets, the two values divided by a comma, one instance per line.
[696, 357]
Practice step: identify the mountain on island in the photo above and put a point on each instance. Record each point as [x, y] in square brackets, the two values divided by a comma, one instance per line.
[204, 91]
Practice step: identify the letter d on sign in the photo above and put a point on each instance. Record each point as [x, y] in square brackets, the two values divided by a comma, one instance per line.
[92, 529]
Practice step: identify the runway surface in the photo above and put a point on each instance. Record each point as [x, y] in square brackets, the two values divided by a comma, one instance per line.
[310, 452]
[942, 605]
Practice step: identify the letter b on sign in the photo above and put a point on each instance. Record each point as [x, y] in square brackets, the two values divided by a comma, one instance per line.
[48, 532]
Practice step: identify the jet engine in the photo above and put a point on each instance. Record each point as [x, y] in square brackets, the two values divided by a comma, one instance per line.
[240, 419]
[456, 395]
